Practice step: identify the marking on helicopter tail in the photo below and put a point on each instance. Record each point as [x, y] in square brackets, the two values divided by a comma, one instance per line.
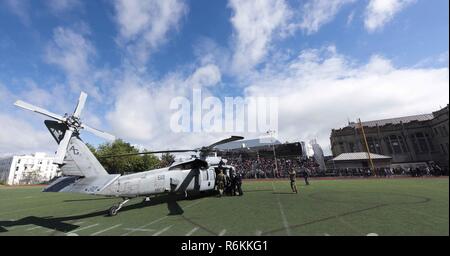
[74, 150]
[222, 232]
[162, 231]
[106, 229]
[192, 231]
[258, 232]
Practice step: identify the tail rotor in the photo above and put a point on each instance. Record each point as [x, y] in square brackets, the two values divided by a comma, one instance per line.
[72, 124]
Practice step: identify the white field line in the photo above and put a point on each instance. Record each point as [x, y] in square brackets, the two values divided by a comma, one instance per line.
[132, 230]
[106, 229]
[283, 216]
[162, 231]
[33, 228]
[83, 228]
[222, 232]
[192, 231]
[139, 229]
[160, 219]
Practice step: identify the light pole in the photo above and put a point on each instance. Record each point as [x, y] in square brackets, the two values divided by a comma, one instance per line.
[271, 132]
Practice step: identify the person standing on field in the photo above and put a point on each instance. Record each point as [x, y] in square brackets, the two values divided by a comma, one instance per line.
[220, 181]
[292, 176]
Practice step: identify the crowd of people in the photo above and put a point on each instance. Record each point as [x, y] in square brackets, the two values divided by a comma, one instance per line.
[268, 168]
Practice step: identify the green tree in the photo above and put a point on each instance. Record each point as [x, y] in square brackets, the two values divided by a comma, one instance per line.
[167, 159]
[123, 164]
[92, 149]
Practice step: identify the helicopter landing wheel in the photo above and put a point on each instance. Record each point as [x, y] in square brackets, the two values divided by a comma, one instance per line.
[113, 210]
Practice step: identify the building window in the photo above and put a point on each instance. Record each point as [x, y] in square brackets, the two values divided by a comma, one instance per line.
[341, 145]
[351, 145]
[444, 131]
[443, 149]
[422, 140]
[374, 145]
[430, 142]
[389, 145]
[436, 131]
[396, 144]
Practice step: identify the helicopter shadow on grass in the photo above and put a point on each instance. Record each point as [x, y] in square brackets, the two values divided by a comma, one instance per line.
[64, 224]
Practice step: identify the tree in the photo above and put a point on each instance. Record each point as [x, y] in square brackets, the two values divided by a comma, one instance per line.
[124, 164]
[167, 159]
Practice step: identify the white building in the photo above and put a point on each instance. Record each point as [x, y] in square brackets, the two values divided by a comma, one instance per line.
[318, 154]
[27, 169]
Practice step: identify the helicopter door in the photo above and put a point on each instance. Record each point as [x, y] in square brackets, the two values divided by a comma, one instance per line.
[205, 182]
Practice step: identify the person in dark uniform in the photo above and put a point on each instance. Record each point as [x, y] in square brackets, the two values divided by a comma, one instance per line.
[228, 188]
[220, 182]
[232, 182]
[292, 176]
[238, 182]
[306, 175]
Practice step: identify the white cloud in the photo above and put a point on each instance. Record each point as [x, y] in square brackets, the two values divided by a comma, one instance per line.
[316, 13]
[205, 76]
[59, 7]
[142, 111]
[380, 12]
[20, 9]
[350, 18]
[144, 24]
[70, 50]
[255, 23]
[321, 90]
[19, 136]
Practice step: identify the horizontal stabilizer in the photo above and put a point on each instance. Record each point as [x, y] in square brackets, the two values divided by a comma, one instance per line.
[60, 183]
[76, 184]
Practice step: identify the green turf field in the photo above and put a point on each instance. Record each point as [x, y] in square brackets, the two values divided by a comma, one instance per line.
[326, 207]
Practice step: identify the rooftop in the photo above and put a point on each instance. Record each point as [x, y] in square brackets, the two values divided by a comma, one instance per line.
[250, 143]
[397, 120]
[359, 156]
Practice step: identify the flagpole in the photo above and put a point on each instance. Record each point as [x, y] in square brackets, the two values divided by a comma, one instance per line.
[366, 144]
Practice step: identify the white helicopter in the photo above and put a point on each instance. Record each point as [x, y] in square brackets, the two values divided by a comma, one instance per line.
[83, 173]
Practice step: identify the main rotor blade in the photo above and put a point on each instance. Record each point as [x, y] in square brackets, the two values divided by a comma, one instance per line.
[232, 138]
[99, 133]
[80, 105]
[39, 110]
[151, 152]
[62, 148]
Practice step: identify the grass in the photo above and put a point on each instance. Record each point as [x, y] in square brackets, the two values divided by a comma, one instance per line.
[326, 207]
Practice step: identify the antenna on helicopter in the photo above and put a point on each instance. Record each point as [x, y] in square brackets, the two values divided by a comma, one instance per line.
[72, 124]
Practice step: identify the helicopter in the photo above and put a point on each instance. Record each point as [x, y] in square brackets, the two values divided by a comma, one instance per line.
[81, 172]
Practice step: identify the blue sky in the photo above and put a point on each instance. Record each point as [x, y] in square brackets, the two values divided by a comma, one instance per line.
[330, 60]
